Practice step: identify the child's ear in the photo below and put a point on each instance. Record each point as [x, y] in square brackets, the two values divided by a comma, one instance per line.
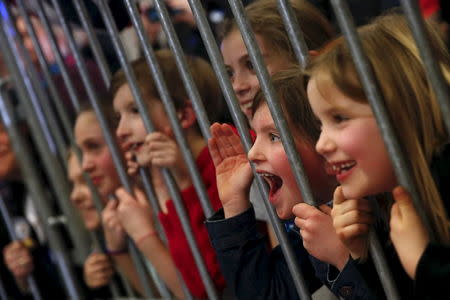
[187, 116]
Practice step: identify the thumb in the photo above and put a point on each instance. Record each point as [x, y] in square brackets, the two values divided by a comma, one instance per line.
[111, 204]
[140, 196]
[338, 196]
[167, 130]
[325, 209]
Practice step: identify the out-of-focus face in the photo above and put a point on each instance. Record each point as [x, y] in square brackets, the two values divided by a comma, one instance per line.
[351, 142]
[240, 68]
[8, 165]
[81, 196]
[131, 130]
[273, 165]
[97, 160]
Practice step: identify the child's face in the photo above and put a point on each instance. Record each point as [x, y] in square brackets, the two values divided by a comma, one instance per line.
[8, 166]
[131, 130]
[242, 75]
[271, 162]
[81, 196]
[351, 142]
[97, 160]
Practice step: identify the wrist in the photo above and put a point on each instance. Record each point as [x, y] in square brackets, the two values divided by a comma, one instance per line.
[235, 208]
[139, 240]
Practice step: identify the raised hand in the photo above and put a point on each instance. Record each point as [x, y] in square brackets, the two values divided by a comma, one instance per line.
[352, 220]
[318, 234]
[408, 233]
[233, 171]
[97, 270]
[115, 235]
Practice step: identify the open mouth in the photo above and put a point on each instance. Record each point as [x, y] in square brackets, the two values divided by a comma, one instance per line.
[275, 182]
[136, 146]
[339, 168]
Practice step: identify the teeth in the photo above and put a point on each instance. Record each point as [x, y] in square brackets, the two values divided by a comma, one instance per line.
[247, 105]
[338, 167]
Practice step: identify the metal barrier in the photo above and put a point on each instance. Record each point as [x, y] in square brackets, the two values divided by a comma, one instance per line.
[29, 91]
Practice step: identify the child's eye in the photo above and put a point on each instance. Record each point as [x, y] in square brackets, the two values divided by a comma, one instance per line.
[249, 65]
[230, 72]
[134, 110]
[337, 118]
[274, 137]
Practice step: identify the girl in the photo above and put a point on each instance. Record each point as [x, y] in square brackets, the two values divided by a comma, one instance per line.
[278, 54]
[97, 269]
[242, 252]
[351, 143]
[159, 149]
[98, 163]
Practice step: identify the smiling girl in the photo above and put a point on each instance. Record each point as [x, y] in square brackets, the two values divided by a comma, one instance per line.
[351, 142]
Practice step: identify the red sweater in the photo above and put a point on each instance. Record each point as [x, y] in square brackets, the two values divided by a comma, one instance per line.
[178, 245]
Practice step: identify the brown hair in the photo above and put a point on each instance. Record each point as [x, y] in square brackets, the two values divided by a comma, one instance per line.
[407, 95]
[289, 86]
[202, 74]
[266, 21]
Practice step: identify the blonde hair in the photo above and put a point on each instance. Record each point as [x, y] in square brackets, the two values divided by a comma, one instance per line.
[266, 22]
[410, 100]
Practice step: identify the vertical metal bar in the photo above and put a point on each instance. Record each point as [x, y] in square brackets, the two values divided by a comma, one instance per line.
[111, 142]
[58, 56]
[94, 43]
[57, 101]
[193, 93]
[366, 75]
[238, 118]
[42, 104]
[170, 181]
[34, 184]
[40, 133]
[294, 32]
[12, 234]
[434, 72]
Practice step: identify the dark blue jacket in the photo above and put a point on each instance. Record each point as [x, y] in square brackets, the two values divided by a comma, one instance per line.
[255, 272]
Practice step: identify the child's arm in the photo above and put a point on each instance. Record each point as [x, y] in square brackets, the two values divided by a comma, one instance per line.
[352, 219]
[19, 261]
[115, 238]
[408, 234]
[318, 234]
[233, 171]
[136, 217]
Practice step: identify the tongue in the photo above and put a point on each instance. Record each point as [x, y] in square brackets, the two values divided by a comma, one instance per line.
[275, 184]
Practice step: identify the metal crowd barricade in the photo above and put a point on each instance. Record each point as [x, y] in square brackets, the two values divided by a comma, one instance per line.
[170, 181]
[434, 73]
[93, 98]
[7, 218]
[367, 78]
[30, 91]
[36, 187]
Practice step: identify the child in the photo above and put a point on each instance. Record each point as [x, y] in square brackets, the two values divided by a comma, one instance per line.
[98, 163]
[97, 269]
[250, 269]
[159, 149]
[278, 53]
[351, 143]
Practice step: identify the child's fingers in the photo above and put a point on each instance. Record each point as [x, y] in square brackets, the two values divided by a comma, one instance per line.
[299, 222]
[111, 204]
[325, 209]
[338, 196]
[303, 210]
[214, 151]
[140, 196]
[403, 201]
[123, 195]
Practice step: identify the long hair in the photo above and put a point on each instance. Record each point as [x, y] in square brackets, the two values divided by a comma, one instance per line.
[266, 22]
[408, 96]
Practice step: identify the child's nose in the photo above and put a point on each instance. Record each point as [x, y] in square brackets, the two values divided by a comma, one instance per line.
[324, 145]
[255, 154]
[87, 165]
